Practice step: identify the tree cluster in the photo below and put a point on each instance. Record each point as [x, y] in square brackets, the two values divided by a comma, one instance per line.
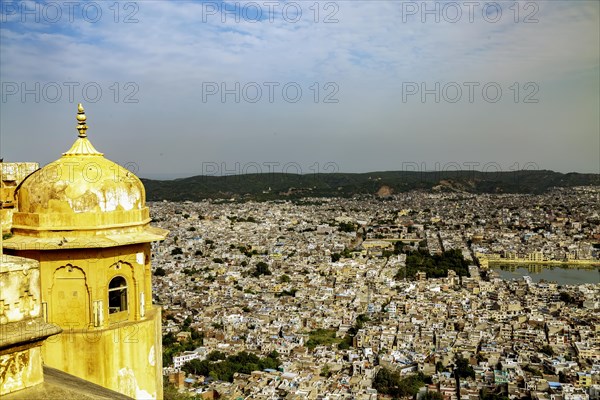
[262, 268]
[437, 265]
[391, 383]
[348, 340]
[285, 292]
[220, 367]
[346, 227]
[322, 337]
[345, 254]
[172, 347]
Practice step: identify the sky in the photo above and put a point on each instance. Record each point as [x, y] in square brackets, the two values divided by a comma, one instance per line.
[181, 88]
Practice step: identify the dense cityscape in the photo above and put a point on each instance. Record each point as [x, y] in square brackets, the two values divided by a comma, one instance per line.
[285, 200]
[375, 296]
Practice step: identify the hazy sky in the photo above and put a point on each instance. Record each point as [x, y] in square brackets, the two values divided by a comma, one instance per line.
[178, 88]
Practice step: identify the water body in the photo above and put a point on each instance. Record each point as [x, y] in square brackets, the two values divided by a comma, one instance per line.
[575, 275]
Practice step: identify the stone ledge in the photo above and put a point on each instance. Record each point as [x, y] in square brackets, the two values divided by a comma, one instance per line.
[60, 385]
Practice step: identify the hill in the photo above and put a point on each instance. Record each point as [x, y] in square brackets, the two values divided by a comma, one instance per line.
[291, 186]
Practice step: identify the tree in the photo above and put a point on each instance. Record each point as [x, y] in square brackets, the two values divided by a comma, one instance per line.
[262, 268]
[284, 279]
[390, 383]
[176, 250]
[435, 266]
[463, 369]
[547, 350]
[346, 343]
[285, 292]
[197, 338]
[170, 392]
[169, 339]
[430, 395]
[439, 367]
[216, 355]
[567, 298]
[346, 227]
[220, 367]
[486, 394]
[562, 377]
[160, 271]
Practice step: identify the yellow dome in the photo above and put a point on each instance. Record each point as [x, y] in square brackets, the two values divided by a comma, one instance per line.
[83, 194]
[81, 184]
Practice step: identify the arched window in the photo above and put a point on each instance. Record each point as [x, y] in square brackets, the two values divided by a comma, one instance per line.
[117, 295]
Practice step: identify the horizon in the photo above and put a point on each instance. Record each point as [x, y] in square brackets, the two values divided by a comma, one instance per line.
[220, 88]
[169, 177]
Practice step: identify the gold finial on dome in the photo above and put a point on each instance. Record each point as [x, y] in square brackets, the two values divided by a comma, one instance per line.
[81, 118]
[82, 146]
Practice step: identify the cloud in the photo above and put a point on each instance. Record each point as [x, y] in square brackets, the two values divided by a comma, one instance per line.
[368, 49]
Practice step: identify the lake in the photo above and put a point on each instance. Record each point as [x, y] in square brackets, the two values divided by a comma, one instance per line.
[575, 275]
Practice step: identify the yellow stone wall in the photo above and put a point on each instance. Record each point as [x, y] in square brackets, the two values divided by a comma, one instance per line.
[22, 328]
[17, 171]
[6, 219]
[77, 278]
[126, 357]
[19, 289]
[20, 369]
[121, 351]
[11, 175]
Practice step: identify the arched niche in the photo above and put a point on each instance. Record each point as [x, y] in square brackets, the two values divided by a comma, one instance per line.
[70, 304]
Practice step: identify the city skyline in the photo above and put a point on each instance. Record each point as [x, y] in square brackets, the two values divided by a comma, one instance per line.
[173, 89]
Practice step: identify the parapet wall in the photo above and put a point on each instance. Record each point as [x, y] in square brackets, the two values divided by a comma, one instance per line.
[12, 175]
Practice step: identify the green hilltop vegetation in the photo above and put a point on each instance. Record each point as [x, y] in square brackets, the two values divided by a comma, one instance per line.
[274, 186]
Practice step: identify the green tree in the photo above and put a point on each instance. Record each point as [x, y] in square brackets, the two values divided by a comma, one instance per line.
[168, 339]
[170, 392]
[216, 356]
[562, 377]
[262, 268]
[322, 337]
[431, 395]
[439, 367]
[220, 367]
[464, 369]
[390, 383]
[547, 350]
[346, 227]
[435, 266]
